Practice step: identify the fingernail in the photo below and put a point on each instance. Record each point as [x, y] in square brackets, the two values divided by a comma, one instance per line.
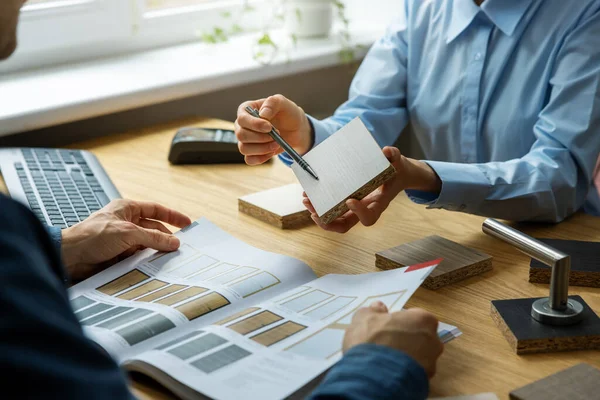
[173, 242]
[351, 205]
[266, 112]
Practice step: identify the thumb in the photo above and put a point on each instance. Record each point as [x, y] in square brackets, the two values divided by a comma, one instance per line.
[379, 306]
[156, 240]
[392, 154]
[271, 106]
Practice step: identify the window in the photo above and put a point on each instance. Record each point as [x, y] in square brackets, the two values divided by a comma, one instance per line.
[63, 31]
[153, 5]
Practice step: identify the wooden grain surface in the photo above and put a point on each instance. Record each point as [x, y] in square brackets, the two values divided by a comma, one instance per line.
[458, 262]
[478, 361]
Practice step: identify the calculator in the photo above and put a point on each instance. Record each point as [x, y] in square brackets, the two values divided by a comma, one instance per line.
[194, 145]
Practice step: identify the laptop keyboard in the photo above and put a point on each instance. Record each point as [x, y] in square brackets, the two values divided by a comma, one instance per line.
[67, 187]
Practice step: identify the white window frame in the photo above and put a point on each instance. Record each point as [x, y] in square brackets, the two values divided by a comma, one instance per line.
[77, 30]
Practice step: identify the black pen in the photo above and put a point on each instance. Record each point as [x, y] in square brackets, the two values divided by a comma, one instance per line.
[285, 146]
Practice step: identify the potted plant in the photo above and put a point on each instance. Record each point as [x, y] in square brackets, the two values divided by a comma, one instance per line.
[308, 18]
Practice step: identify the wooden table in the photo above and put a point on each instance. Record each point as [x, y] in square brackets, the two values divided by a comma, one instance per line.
[478, 361]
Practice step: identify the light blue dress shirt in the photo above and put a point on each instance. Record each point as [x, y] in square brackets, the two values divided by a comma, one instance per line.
[504, 100]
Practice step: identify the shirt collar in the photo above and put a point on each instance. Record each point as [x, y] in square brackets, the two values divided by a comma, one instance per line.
[505, 14]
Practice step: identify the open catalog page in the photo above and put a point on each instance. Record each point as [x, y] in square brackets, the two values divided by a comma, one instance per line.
[136, 303]
[273, 348]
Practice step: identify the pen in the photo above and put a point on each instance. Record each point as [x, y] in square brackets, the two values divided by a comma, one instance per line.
[285, 146]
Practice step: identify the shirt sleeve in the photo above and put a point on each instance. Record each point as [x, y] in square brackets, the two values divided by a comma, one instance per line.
[551, 181]
[370, 371]
[377, 93]
[41, 341]
[55, 234]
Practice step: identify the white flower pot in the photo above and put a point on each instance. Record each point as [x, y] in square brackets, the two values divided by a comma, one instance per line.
[308, 18]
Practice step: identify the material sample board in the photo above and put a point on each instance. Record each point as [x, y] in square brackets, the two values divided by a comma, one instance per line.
[281, 207]
[526, 335]
[580, 382]
[459, 262]
[585, 263]
[350, 164]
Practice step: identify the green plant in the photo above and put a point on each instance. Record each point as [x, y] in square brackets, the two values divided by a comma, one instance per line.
[266, 48]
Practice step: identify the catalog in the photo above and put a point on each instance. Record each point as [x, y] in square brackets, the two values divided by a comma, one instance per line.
[222, 319]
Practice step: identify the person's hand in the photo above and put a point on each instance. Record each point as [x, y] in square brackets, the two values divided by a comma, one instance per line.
[410, 174]
[252, 133]
[117, 231]
[413, 332]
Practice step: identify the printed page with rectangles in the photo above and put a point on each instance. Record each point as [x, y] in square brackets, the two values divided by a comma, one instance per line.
[136, 303]
[274, 348]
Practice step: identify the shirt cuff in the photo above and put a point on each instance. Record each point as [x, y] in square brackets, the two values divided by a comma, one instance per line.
[370, 371]
[322, 131]
[56, 237]
[464, 187]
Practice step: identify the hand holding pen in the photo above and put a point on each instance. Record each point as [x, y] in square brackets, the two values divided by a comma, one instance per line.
[254, 134]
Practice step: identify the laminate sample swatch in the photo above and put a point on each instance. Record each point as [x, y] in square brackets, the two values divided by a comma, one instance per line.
[281, 207]
[526, 335]
[123, 282]
[580, 382]
[459, 262]
[585, 263]
[350, 164]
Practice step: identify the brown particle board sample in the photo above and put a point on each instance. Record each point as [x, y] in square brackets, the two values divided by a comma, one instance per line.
[580, 382]
[350, 164]
[585, 263]
[459, 262]
[281, 207]
[526, 335]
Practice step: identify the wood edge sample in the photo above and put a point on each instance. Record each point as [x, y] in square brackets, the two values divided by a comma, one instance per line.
[385, 260]
[506, 332]
[291, 221]
[581, 381]
[459, 274]
[341, 208]
[556, 343]
[576, 278]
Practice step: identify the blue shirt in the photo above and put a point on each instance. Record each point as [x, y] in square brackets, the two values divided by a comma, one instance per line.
[503, 99]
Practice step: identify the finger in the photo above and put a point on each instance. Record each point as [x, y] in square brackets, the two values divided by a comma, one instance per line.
[341, 225]
[151, 224]
[379, 306]
[256, 104]
[271, 106]
[159, 212]
[422, 318]
[392, 154]
[309, 205]
[257, 149]
[154, 239]
[253, 123]
[367, 214]
[260, 159]
[128, 253]
[248, 136]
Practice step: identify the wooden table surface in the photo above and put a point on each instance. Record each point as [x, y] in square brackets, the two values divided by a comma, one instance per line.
[478, 361]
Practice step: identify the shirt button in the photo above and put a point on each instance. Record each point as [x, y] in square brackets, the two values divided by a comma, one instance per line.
[477, 56]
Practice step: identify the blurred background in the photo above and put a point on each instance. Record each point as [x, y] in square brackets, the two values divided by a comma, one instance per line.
[87, 68]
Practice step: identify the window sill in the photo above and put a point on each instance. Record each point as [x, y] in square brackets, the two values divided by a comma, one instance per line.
[68, 93]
